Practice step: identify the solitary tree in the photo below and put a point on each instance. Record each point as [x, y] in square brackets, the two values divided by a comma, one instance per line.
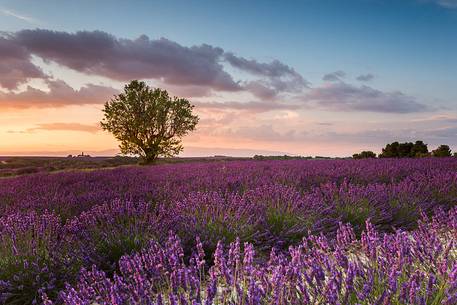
[148, 122]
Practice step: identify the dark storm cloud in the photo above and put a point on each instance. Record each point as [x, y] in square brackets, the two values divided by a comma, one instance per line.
[334, 76]
[345, 97]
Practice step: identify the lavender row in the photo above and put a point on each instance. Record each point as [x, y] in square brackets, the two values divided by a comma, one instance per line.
[400, 268]
[70, 193]
[53, 225]
[39, 255]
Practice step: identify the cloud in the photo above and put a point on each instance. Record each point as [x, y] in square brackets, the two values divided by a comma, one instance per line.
[338, 96]
[15, 65]
[446, 132]
[276, 77]
[275, 69]
[193, 151]
[186, 91]
[19, 16]
[434, 137]
[188, 71]
[253, 106]
[324, 123]
[211, 122]
[334, 76]
[450, 4]
[365, 77]
[437, 118]
[66, 127]
[261, 90]
[345, 97]
[100, 53]
[373, 137]
[264, 132]
[447, 3]
[60, 94]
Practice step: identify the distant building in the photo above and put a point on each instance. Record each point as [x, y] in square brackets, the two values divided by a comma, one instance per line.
[82, 155]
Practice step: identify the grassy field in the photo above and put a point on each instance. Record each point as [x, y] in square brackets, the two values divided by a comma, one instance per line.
[14, 166]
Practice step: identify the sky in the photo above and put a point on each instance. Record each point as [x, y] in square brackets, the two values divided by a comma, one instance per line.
[311, 77]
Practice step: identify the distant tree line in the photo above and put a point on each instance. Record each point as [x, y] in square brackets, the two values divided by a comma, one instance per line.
[364, 155]
[287, 157]
[284, 157]
[407, 150]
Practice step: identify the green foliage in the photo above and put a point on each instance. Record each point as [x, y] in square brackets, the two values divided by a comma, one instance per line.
[113, 249]
[390, 151]
[215, 223]
[13, 166]
[419, 149]
[405, 150]
[284, 157]
[35, 258]
[364, 155]
[404, 213]
[355, 213]
[148, 122]
[122, 234]
[442, 151]
[218, 228]
[287, 224]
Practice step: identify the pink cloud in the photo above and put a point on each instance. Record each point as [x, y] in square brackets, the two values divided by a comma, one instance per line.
[60, 94]
[66, 127]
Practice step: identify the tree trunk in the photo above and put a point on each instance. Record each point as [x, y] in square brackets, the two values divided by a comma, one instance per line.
[150, 156]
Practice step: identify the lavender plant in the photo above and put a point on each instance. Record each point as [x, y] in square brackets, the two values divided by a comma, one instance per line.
[306, 220]
[399, 268]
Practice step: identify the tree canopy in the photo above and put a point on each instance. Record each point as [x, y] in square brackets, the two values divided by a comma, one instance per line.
[442, 151]
[364, 155]
[404, 150]
[148, 122]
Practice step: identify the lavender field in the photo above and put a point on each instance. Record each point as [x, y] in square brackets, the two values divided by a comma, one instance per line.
[380, 231]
